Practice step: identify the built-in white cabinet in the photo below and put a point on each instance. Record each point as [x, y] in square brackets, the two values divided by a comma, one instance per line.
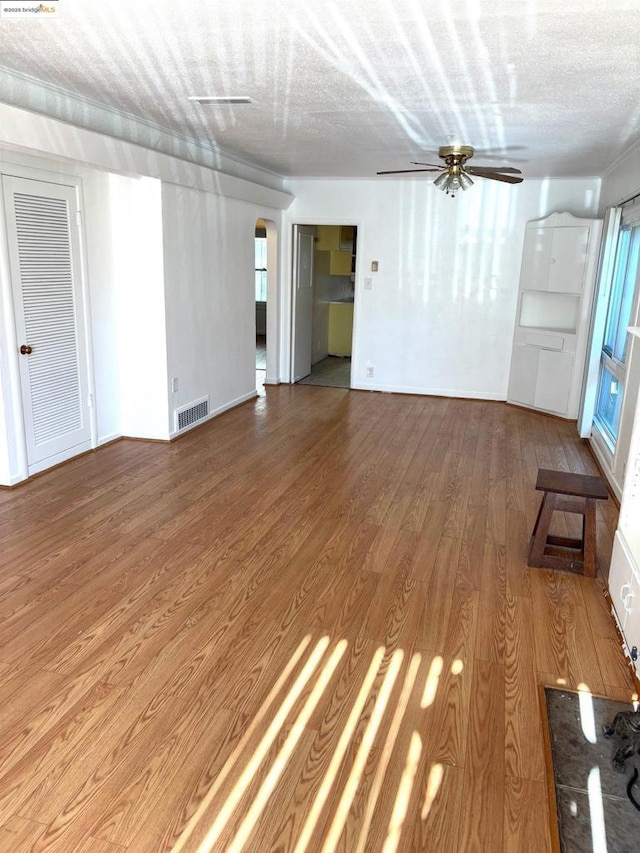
[559, 261]
[624, 574]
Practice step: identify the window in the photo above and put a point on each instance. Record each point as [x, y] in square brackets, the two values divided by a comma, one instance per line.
[261, 269]
[621, 302]
[616, 337]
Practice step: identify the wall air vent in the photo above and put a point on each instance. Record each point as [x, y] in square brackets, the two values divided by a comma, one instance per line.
[188, 415]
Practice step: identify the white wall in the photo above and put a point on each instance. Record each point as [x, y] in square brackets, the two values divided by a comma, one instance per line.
[138, 276]
[123, 220]
[210, 296]
[100, 263]
[439, 318]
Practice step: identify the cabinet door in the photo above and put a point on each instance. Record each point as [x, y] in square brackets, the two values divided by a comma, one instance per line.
[522, 378]
[632, 616]
[555, 259]
[541, 378]
[568, 259]
[620, 579]
[553, 381]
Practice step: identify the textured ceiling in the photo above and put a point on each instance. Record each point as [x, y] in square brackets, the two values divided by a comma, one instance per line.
[343, 88]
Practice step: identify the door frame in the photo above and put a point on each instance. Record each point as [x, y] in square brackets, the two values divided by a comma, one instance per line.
[290, 286]
[11, 391]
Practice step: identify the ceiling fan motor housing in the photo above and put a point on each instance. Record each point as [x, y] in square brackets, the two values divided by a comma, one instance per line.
[455, 155]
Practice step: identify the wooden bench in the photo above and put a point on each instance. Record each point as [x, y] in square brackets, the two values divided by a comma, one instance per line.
[567, 493]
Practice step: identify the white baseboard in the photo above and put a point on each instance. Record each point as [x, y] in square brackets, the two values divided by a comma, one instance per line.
[107, 439]
[429, 392]
[57, 458]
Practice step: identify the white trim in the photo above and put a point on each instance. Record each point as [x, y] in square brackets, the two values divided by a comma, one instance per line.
[159, 137]
[88, 324]
[619, 161]
[631, 212]
[56, 459]
[107, 439]
[40, 135]
[605, 460]
[431, 392]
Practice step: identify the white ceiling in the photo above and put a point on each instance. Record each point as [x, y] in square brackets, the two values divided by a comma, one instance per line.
[344, 88]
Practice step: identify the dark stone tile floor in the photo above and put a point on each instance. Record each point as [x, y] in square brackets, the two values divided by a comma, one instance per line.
[594, 812]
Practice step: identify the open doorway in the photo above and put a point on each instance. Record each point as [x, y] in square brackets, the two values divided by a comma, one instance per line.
[324, 304]
[261, 291]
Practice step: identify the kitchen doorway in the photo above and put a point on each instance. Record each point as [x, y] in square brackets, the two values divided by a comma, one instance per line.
[323, 313]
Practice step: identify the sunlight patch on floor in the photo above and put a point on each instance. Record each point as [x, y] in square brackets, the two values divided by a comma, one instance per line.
[388, 690]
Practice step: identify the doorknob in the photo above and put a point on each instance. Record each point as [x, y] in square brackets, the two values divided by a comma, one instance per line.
[25, 350]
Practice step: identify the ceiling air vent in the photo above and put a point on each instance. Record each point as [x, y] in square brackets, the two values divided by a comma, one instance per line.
[222, 100]
[188, 415]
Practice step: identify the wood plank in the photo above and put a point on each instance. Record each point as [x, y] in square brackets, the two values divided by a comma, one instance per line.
[523, 728]
[18, 834]
[524, 804]
[160, 601]
[482, 823]
[563, 628]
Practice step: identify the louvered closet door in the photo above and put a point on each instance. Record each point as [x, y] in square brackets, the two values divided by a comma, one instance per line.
[44, 253]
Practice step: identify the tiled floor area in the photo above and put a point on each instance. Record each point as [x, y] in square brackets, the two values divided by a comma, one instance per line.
[332, 371]
[594, 812]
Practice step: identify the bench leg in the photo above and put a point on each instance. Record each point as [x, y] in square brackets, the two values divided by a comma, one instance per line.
[541, 530]
[589, 539]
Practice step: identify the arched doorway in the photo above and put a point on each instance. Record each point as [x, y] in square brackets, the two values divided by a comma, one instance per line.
[266, 292]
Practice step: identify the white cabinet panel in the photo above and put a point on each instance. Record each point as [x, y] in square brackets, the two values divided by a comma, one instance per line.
[541, 378]
[552, 327]
[523, 377]
[536, 258]
[624, 575]
[568, 259]
[554, 258]
[553, 384]
[620, 575]
[632, 619]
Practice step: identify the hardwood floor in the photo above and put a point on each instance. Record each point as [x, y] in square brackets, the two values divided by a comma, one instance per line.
[308, 625]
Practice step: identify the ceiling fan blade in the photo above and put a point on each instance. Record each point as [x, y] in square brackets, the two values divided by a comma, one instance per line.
[435, 165]
[404, 171]
[509, 170]
[496, 176]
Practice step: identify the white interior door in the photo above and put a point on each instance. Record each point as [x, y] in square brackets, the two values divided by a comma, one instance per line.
[44, 255]
[303, 302]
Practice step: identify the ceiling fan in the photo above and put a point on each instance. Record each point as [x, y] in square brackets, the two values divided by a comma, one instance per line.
[455, 174]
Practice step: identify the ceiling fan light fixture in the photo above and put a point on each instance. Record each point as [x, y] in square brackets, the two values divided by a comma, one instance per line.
[465, 181]
[454, 175]
[442, 180]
